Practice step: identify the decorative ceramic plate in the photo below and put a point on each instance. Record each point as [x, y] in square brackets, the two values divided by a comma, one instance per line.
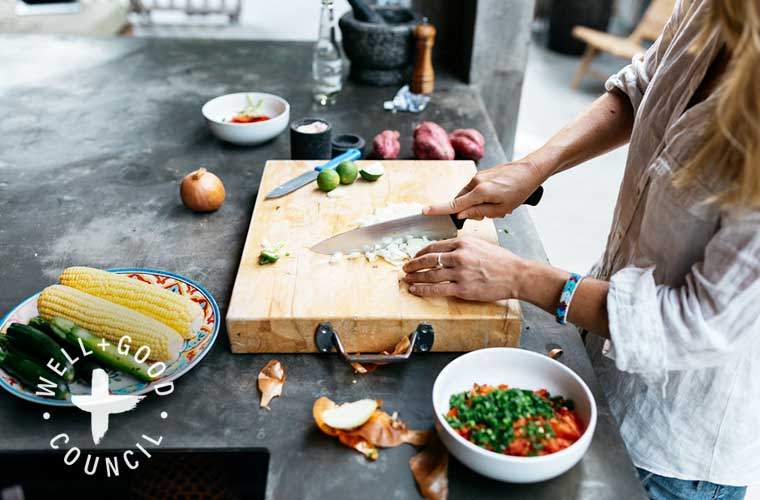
[121, 383]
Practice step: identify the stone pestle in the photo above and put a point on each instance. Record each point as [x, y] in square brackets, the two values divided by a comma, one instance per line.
[365, 13]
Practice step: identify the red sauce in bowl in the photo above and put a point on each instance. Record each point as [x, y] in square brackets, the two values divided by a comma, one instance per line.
[249, 119]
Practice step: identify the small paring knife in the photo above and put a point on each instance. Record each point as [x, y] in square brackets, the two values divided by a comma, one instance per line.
[433, 227]
[311, 175]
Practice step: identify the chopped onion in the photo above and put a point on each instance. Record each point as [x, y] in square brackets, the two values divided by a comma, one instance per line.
[390, 212]
[394, 251]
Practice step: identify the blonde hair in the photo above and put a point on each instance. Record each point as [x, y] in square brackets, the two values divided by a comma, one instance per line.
[731, 149]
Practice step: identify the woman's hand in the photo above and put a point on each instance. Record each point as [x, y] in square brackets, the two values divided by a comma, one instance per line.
[468, 268]
[493, 193]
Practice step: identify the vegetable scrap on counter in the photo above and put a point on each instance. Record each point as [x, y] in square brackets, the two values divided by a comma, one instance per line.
[430, 470]
[271, 380]
[365, 368]
[369, 430]
[271, 253]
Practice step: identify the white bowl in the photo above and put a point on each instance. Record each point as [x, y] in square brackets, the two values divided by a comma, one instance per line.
[219, 111]
[524, 370]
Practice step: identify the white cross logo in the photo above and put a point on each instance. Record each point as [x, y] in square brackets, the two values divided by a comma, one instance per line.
[101, 403]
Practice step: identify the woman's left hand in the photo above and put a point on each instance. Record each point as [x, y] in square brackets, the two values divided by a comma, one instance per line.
[468, 268]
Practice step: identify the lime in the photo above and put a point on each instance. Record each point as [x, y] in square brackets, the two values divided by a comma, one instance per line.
[347, 171]
[328, 179]
[372, 172]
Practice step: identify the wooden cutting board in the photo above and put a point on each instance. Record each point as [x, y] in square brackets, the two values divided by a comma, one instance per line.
[276, 308]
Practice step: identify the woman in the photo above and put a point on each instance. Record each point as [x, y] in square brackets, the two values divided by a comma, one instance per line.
[675, 302]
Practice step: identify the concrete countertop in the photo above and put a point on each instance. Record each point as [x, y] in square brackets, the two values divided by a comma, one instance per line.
[96, 134]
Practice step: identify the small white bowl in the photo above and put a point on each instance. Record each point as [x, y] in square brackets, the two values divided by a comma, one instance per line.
[219, 111]
[524, 370]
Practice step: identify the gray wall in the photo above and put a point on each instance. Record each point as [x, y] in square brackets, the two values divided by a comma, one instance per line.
[499, 56]
[485, 42]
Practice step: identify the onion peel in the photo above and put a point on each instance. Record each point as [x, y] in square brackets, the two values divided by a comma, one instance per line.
[320, 406]
[359, 444]
[271, 379]
[349, 416]
[387, 432]
[379, 431]
[400, 348]
[430, 470]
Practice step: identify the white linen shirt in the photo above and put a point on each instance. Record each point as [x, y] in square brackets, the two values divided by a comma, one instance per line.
[682, 369]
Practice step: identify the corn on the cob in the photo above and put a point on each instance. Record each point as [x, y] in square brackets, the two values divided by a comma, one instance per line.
[110, 321]
[174, 310]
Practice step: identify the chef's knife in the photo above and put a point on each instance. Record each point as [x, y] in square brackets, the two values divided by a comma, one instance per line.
[434, 227]
[311, 175]
[363, 239]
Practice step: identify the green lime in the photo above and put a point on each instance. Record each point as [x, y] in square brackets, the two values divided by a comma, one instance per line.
[347, 171]
[328, 179]
[372, 172]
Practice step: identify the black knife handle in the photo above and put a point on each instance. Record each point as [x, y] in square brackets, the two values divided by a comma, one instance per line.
[459, 223]
[534, 198]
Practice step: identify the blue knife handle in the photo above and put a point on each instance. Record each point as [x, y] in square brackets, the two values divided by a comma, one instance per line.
[350, 154]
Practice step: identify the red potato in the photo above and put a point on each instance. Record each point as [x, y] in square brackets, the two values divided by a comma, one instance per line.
[431, 142]
[386, 146]
[468, 143]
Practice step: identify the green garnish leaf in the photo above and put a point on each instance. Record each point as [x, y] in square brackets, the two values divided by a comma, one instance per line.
[271, 254]
[251, 109]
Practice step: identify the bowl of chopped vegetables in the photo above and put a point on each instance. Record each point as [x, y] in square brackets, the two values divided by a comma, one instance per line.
[247, 118]
[513, 415]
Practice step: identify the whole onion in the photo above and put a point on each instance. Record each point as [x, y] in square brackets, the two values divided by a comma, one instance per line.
[202, 191]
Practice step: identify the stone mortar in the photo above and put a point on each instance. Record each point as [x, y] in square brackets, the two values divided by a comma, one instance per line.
[380, 54]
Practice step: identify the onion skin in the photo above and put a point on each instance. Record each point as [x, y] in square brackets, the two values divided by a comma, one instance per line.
[202, 191]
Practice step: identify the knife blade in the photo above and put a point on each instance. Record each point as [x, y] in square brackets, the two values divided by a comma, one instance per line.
[363, 239]
[310, 176]
[434, 227]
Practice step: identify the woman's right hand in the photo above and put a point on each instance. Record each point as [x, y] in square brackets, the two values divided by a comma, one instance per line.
[492, 193]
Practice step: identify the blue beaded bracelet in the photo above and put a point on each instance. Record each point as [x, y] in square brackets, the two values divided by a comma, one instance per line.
[566, 297]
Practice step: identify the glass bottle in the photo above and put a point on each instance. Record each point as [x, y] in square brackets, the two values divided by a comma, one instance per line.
[327, 65]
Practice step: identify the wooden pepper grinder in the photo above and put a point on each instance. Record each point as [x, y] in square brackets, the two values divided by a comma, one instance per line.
[423, 76]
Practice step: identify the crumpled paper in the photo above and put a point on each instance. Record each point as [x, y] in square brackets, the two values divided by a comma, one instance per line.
[405, 100]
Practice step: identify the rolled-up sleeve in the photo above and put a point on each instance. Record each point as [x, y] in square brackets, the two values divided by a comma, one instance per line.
[704, 322]
[633, 79]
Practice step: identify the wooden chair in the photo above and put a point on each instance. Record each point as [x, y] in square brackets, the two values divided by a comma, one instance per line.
[649, 28]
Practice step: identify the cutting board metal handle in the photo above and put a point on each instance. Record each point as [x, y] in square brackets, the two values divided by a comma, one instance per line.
[420, 340]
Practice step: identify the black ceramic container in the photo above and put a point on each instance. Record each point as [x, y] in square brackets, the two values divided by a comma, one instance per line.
[310, 146]
[343, 142]
[380, 54]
